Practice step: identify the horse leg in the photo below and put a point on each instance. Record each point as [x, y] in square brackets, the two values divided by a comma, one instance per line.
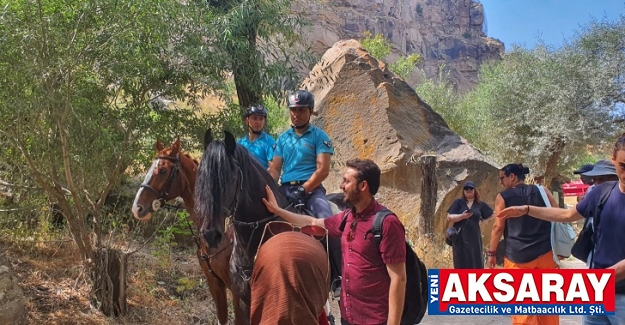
[241, 306]
[240, 295]
[239, 315]
[217, 289]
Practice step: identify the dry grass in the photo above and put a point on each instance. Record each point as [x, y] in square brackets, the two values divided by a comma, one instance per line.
[431, 249]
[161, 290]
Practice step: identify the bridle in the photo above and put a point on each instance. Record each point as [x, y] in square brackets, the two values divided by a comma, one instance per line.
[160, 201]
[245, 270]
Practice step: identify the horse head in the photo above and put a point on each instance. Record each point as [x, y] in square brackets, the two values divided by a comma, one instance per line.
[230, 183]
[164, 181]
[217, 191]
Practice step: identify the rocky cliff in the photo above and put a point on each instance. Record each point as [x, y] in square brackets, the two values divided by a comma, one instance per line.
[443, 32]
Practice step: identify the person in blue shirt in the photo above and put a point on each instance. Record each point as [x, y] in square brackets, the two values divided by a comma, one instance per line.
[303, 154]
[258, 142]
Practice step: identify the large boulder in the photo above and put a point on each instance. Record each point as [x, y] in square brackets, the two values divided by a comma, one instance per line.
[12, 303]
[368, 112]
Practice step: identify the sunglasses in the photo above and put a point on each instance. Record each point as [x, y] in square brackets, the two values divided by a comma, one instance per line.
[352, 230]
[277, 227]
[469, 188]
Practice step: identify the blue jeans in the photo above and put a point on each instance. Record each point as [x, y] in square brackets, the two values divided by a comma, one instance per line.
[617, 319]
[318, 205]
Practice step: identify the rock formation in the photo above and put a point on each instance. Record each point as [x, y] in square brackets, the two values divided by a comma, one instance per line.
[12, 305]
[370, 113]
[443, 32]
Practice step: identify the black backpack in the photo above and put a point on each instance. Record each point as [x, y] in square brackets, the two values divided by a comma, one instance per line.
[415, 302]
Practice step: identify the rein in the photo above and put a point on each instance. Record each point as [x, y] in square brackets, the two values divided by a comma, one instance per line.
[246, 270]
[205, 257]
[254, 225]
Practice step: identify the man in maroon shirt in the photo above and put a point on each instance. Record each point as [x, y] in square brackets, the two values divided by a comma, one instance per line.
[374, 274]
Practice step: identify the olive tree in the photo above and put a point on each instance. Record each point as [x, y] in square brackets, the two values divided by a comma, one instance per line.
[546, 107]
[78, 79]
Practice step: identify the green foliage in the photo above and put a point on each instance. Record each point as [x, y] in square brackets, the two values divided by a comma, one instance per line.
[440, 95]
[419, 9]
[539, 97]
[547, 108]
[256, 41]
[79, 81]
[164, 240]
[279, 119]
[405, 65]
[378, 46]
[89, 86]
[230, 119]
[186, 284]
[466, 35]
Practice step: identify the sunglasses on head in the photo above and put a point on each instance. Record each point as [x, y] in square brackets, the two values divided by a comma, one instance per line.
[277, 227]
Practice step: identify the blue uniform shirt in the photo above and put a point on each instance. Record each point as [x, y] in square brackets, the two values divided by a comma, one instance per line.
[261, 148]
[299, 153]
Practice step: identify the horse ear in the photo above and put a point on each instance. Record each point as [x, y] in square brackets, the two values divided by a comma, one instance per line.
[159, 145]
[231, 143]
[208, 138]
[175, 148]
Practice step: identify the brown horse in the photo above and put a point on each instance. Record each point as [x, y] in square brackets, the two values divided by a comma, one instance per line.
[173, 175]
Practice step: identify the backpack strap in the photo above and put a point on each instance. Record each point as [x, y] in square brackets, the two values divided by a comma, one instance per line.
[344, 220]
[605, 194]
[606, 189]
[376, 227]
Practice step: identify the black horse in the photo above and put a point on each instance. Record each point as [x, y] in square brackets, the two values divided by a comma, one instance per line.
[231, 183]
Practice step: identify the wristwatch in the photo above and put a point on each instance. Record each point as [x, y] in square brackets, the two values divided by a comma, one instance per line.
[301, 190]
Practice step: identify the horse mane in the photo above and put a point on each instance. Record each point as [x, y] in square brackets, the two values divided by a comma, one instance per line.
[218, 171]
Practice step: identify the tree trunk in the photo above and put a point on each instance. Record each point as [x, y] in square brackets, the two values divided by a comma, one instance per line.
[246, 73]
[555, 149]
[109, 281]
[429, 189]
[246, 95]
